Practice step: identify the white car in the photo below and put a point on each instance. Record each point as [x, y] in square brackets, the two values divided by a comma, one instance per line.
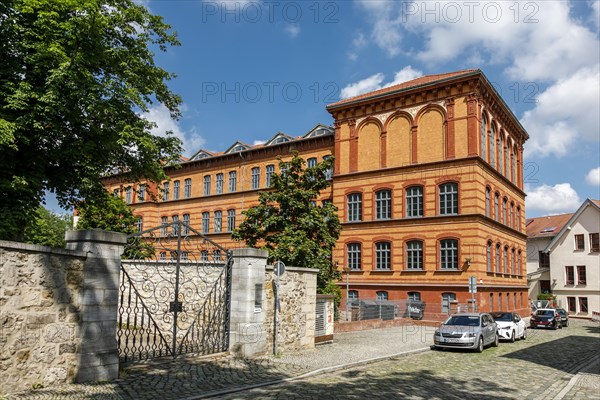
[510, 326]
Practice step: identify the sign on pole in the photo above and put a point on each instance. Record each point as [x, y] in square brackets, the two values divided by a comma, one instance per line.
[472, 284]
[278, 269]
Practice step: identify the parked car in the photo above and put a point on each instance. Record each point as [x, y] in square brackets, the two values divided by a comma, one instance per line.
[467, 331]
[510, 326]
[546, 318]
[564, 316]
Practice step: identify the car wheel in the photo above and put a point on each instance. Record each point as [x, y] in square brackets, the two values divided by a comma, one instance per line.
[480, 345]
[497, 340]
[512, 337]
[524, 334]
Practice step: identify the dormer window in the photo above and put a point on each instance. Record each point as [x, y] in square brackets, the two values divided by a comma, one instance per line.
[281, 139]
[238, 149]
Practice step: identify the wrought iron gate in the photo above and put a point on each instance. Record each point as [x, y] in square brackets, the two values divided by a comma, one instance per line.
[174, 294]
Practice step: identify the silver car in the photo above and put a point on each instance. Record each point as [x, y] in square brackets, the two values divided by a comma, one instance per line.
[467, 331]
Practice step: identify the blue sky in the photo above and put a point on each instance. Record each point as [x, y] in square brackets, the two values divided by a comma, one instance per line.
[248, 69]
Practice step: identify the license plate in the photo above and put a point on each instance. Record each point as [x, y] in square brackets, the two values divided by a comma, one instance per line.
[451, 340]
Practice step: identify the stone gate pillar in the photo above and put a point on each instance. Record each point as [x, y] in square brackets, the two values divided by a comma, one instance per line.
[246, 333]
[98, 355]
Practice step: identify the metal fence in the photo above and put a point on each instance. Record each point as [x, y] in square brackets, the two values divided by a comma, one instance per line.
[372, 309]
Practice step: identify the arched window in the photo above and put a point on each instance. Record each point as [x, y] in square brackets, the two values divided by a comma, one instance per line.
[383, 255]
[514, 165]
[383, 204]
[505, 259]
[483, 137]
[354, 207]
[497, 206]
[493, 147]
[414, 255]
[414, 201]
[500, 155]
[353, 258]
[489, 256]
[498, 264]
[449, 254]
[449, 198]
[518, 218]
[506, 172]
[504, 210]
[488, 200]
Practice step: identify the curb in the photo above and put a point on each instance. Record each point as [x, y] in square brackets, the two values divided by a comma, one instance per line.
[576, 377]
[307, 374]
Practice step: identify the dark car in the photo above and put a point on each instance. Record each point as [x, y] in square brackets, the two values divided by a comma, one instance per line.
[564, 317]
[546, 318]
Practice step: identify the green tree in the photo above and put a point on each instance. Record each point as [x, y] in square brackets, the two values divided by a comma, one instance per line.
[75, 79]
[48, 228]
[290, 225]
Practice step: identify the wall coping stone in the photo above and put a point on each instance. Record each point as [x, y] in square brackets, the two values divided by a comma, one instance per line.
[296, 269]
[94, 235]
[250, 252]
[42, 249]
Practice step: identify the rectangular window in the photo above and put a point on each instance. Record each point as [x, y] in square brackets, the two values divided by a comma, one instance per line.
[269, 171]
[581, 278]
[207, 185]
[414, 255]
[572, 303]
[414, 201]
[176, 190]
[232, 181]
[187, 191]
[383, 204]
[354, 256]
[185, 256]
[569, 275]
[352, 294]
[163, 256]
[382, 295]
[205, 222]
[594, 243]
[383, 257]
[116, 192]
[186, 224]
[311, 162]
[414, 296]
[219, 184]
[449, 199]
[579, 242]
[128, 194]
[166, 191]
[142, 192]
[175, 225]
[218, 221]
[583, 305]
[139, 224]
[255, 178]
[354, 207]
[491, 302]
[328, 171]
[230, 220]
[543, 259]
[164, 222]
[449, 254]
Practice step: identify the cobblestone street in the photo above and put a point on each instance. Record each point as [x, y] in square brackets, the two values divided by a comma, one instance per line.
[384, 363]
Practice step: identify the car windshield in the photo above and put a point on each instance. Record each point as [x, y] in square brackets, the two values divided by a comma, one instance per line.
[463, 320]
[502, 317]
[545, 313]
[561, 311]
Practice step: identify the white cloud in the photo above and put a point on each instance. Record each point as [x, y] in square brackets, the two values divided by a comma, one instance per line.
[387, 24]
[358, 43]
[593, 177]
[257, 142]
[552, 199]
[374, 82]
[293, 30]
[563, 114]
[363, 86]
[159, 114]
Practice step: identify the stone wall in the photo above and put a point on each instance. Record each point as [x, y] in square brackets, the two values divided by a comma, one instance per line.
[57, 318]
[297, 300]
[39, 314]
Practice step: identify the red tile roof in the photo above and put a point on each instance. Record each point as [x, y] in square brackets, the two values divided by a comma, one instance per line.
[405, 85]
[546, 226]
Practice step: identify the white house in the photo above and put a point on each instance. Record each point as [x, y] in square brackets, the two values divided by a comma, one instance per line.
[574, 256]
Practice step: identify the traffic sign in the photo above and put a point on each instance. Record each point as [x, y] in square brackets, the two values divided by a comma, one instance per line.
[279, 268]
[472, 284]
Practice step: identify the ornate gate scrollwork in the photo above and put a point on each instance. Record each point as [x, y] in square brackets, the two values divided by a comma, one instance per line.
[174, 294]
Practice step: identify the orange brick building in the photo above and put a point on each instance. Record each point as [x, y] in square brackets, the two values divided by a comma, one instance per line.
[428, 180]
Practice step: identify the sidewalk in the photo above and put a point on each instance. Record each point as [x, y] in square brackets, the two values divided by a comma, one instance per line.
[191, 378]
